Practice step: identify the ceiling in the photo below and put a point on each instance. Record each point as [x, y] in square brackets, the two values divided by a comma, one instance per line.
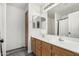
[64, 9]
[23, 6]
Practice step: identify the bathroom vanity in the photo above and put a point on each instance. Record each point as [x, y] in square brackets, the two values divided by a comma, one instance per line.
[43, 48]
[58, 33]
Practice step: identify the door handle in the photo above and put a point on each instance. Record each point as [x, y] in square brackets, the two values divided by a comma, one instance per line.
[69, 33]
[1, 40]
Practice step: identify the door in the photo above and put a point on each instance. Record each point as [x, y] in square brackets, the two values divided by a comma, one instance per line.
[74, 25]
[2, 28]
[63, 27]
[26, 30]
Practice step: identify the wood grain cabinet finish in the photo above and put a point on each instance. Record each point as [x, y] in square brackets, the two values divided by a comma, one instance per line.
[62, 52]
[38, 47]
[41, 48]
[46, 49]
[34, 45]
[53, 50]
[57, 51]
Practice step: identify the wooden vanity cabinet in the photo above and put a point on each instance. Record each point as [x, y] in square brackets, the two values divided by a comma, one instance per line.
[33, 45]
[57, 51]
[46, 49]
[38, 47]
[52, 50]
[76, 54]
[41, 48]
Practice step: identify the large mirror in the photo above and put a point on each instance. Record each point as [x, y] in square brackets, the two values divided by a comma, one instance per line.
[63, 20]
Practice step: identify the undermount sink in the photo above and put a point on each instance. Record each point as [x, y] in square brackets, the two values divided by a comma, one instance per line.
[43, 35]
[60, 39]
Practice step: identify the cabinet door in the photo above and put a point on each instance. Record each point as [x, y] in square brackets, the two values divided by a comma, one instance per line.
[38, 52]
[46, 49]
[34, 45]
[38, 47]
[53, 51]
[76, 54]
[66, 52]
[62, 52]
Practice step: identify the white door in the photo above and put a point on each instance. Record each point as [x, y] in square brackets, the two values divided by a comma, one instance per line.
[0, 25]
[63, 27]
[74, 25]
[3, 27]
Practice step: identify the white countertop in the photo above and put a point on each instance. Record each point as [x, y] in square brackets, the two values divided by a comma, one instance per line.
[66, 44]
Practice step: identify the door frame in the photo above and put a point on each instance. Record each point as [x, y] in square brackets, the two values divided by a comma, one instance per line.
[26, 30]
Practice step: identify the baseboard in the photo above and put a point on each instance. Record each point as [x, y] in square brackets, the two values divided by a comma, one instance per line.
[15, 49]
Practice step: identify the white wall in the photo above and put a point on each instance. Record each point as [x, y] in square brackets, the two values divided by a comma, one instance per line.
[34, 9]
[15, 27]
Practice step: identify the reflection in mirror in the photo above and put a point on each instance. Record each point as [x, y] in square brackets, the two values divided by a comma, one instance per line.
[51, 23]
[38, 24]
[69, 26]
[64, 26]
[36, 21]
[43, 23]
[74, 24]
[33, 24]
